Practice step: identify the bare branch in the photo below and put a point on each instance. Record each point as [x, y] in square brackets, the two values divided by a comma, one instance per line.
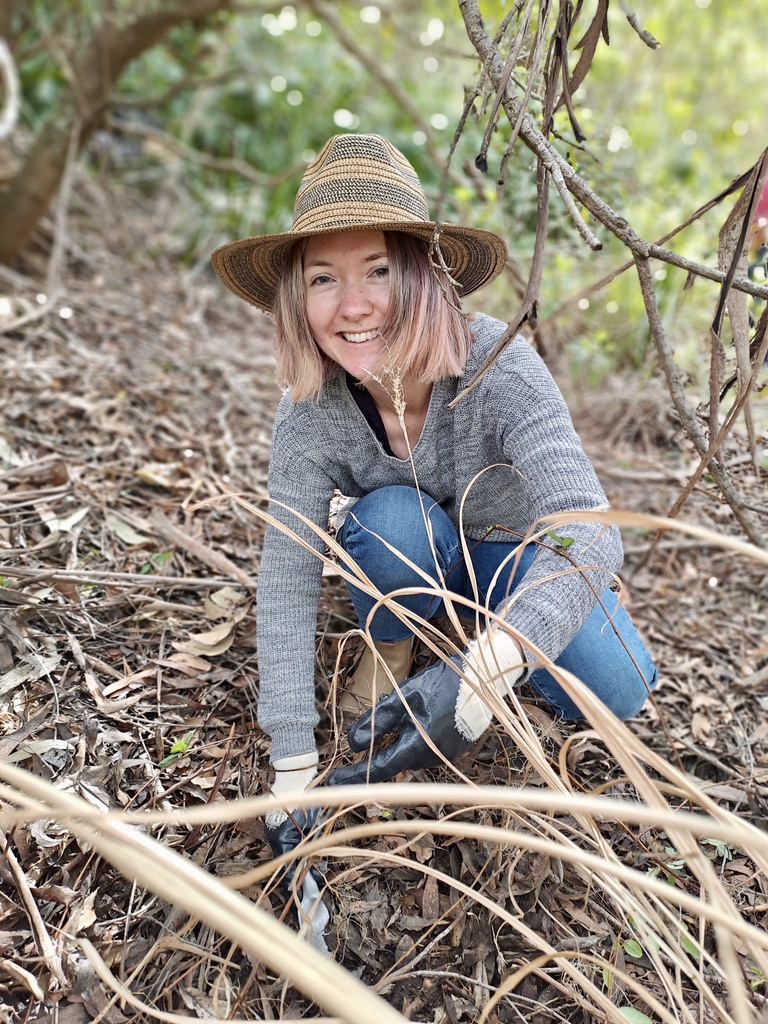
[732, 254]
[567, 176]
[528, 303]
[686, 414]
[644, 34]
[581, 225]
[188, 81]
[481, 161]
[180, 148]
[6, 10]
[378, 73]
[737, 183]
[761, 338]
[535, 140]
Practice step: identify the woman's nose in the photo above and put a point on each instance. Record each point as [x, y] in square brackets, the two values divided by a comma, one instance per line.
[354, 302]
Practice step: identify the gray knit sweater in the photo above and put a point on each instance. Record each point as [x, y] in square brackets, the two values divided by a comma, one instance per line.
[516, 420]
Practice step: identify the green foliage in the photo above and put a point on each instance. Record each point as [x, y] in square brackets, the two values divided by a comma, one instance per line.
[156, 561]
[666, 129]
[634, 1016]
[691, 947]
[178, 749]
[756, 977]
[563, 543]
[672, 867]
[724, 850]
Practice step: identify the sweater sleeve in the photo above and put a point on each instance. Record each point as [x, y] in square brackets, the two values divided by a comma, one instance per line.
[540, 443]
[288, 590]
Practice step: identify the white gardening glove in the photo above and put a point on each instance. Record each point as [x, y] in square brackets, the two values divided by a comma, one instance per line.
[286, 829]
[292, 775]
[493, 662]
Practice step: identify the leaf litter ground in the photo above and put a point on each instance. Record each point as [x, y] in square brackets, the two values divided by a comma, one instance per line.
[128, 664]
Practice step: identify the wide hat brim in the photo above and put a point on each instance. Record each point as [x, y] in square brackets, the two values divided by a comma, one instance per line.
[251, 267]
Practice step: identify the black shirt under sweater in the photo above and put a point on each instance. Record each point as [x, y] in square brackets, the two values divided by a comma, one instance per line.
[368, 408]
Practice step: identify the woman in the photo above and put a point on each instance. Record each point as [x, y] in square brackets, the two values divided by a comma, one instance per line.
[374, 347]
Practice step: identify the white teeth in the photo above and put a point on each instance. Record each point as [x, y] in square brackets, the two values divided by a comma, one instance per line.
[356, 339]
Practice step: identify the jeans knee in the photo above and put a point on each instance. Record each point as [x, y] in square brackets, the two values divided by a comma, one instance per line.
[628, 701]
[382, 512]
[623, 689]
[385, 530]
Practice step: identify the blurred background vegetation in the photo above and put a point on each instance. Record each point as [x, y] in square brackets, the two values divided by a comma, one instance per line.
[218, 116]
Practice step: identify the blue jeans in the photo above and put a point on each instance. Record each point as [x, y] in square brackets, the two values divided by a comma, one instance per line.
[595, 655]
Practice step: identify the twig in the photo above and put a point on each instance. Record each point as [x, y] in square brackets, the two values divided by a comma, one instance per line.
[737, 183]
[649, 39]
[716, 443]
[187, 81]
[472, 982]
[530, 297]
[554, 168]
[214, 791]
[481, 161]
[687, 417]
[43, 941]
[53, 275]
[196, 156]
[213, 559]
[99, 577]
[469, 102]
[375, 69]
[732, 254]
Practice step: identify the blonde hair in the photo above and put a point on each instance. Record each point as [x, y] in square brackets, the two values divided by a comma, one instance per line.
[428, 336]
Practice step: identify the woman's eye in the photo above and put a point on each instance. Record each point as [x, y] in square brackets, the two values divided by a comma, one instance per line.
[381, 272]
[320, 279]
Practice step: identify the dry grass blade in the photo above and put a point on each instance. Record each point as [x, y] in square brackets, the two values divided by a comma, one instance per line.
[187, 886]
[43, 941]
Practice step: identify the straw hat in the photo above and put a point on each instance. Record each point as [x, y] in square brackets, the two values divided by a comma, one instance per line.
[357, 182]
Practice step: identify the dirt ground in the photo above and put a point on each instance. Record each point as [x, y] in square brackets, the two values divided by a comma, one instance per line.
[134, 398]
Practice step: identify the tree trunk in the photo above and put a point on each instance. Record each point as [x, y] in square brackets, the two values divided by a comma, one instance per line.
[97, 67]
[6, 9]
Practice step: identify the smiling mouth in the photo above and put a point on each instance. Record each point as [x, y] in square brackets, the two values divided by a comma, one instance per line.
[358, 339]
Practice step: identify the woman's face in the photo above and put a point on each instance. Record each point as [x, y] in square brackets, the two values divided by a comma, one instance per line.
[346, 277]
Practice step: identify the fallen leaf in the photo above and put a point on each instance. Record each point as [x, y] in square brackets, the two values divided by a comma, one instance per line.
[225, 603]
[71, 521]
[38, 747]
[160, 474]
[127, 682]
[124, 531]
[430, 899]
[82, 915]
[211, 642]
[24, 978]
[189, 664]
[701, 726]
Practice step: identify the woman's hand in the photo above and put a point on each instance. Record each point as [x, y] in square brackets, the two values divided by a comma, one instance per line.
[444, 703]
[285, 829]
[426, 702]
